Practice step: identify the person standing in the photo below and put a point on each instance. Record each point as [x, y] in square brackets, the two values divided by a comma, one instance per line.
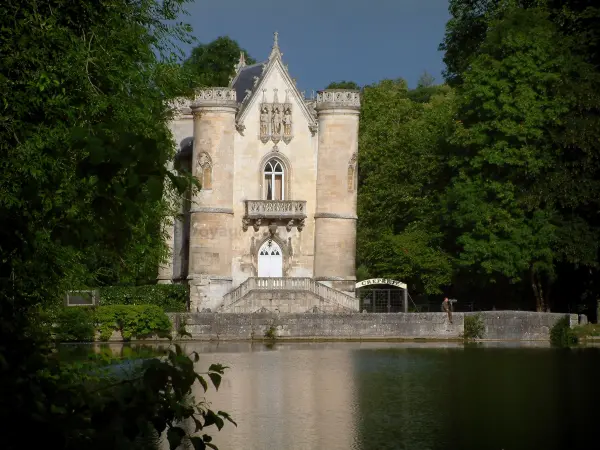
[447, 308]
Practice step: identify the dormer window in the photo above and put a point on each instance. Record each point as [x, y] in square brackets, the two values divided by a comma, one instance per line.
[274, 180]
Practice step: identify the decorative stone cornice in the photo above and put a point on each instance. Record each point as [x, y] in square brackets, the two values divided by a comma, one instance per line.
[338, 99]
[215, 96]
[204, 209]
[327, 215]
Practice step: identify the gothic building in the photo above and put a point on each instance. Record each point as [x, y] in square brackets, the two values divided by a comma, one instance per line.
[274, 225]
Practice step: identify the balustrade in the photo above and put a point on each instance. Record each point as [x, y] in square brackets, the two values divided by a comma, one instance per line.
[289, 284]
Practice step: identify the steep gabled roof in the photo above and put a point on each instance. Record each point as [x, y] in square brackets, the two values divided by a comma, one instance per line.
[249, 80]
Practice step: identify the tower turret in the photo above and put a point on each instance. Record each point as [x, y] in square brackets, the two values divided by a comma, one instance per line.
[212, 208]
[335, 218]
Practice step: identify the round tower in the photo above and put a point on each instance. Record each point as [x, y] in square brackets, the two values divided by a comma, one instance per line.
[338, 113]
[211, 211]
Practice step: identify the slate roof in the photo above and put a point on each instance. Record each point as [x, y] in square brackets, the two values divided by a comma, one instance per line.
[245, 79]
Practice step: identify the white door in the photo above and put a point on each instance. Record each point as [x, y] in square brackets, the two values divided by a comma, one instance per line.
[270, 260]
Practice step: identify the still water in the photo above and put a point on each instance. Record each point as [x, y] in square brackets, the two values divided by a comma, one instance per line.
[376, 396]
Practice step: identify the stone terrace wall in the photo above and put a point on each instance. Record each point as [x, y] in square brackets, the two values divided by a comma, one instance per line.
[500, 325]
[520, 325]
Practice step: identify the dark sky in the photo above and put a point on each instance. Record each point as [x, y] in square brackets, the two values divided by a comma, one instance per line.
[332, 40]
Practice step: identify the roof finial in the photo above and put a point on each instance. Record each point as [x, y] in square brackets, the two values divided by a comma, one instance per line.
[275, 50]
[241, 62]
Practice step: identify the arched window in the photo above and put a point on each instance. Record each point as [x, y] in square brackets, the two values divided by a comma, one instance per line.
[274, 180]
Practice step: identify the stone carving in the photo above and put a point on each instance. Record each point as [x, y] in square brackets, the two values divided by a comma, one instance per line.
[289, 225]
[215, 96]
[204, 170]
[338, 98]
[277, 121]
[287, 119]
[352, 173]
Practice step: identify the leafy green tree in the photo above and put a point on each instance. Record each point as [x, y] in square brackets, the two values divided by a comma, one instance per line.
[401, 170]
[343, 85]
[505, 204]
[213, 64]
[84, 142]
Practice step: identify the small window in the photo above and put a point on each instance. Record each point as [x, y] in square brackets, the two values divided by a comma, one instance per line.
[274, 180]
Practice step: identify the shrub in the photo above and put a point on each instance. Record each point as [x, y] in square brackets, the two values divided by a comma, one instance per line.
[474, 328]
[561, 334]
[133, 321]
[74, 324]
[169, 297]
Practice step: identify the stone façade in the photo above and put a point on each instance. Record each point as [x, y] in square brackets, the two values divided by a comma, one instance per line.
[278, 174]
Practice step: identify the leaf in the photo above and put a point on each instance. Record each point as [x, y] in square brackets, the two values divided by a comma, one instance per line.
[216, 379]
[210, 418]
[202, 382]
[226, 416]
[198, 424]
[175, 436]
[219, 368]
[198, 443]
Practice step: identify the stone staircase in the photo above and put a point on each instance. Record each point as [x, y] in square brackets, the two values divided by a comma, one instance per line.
[291, 295]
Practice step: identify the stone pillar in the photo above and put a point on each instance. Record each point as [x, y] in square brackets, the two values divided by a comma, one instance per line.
[211, 210]
[335, 218]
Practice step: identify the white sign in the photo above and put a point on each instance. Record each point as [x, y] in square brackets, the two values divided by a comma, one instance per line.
[389, 281]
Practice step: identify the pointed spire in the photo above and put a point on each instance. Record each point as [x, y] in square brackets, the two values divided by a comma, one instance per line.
[241, 62]
[275, 99]
[275, 52]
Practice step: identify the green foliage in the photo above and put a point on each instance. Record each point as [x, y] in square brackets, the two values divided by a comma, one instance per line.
[562, 335]
[80, 324]
[402, 169]
[169, 297]
[213, 64]
[506, 205]
[474, 328]
[271, 332]
[74, 324]
[84, 146]
[128, 404]
[343, 85]
[132, 321]
[588, 330]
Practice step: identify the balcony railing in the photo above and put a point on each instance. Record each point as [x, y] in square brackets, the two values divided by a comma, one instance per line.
[291, 213]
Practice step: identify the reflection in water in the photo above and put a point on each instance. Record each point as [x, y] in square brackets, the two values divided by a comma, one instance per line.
[287, 397]
[377, 396]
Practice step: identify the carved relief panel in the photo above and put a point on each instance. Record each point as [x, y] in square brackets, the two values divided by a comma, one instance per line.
[276, 119]
[204, 170]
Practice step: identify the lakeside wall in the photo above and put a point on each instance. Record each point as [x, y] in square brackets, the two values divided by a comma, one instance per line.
[499, 325]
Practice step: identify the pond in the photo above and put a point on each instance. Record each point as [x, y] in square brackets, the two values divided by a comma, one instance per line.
[376, 396]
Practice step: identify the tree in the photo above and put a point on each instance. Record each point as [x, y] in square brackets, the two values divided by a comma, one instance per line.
[343, 85]
[507, 205]
[213, 64]
[84, 142]
[401, 169]
[425, 80]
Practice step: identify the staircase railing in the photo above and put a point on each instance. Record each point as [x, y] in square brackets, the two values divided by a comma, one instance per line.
[324, 292]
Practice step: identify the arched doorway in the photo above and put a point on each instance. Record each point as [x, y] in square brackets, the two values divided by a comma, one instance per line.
[270, 260]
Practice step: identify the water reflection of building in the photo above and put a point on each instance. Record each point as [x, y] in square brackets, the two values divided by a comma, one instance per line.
[285, 398]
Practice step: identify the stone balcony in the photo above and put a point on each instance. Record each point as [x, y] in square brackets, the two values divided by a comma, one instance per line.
[272, 213]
